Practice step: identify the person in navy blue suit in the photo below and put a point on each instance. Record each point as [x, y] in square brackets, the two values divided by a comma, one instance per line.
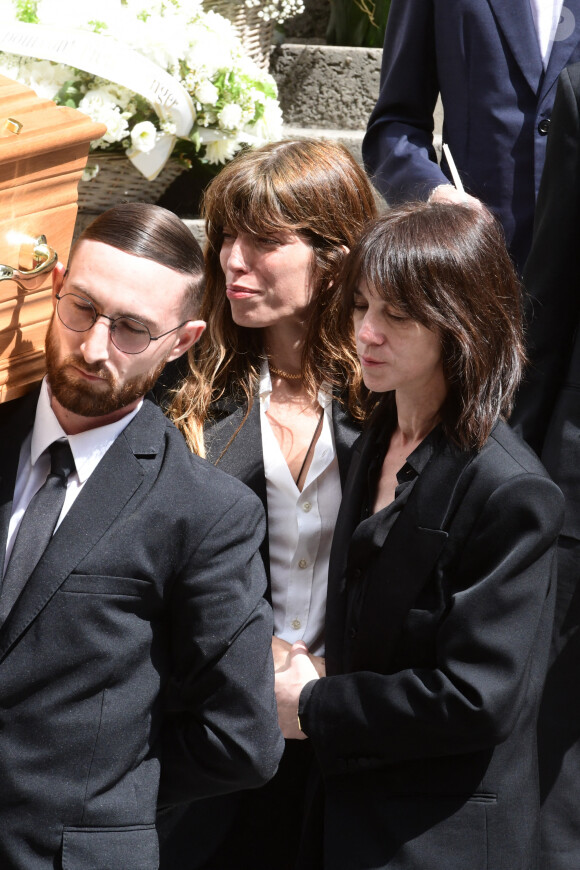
[484, 58]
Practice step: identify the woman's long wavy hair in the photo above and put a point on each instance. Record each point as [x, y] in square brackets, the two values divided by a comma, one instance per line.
[447, 267]
[310, 187]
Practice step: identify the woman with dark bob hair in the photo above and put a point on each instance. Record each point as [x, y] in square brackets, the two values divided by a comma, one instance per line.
[273, 397]
[441, 584]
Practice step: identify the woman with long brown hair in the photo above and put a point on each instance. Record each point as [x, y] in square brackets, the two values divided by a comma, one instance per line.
[441, 582]
[273, 398]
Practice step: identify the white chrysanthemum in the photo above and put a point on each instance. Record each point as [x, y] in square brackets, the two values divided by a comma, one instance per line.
[163, 40]
[269, 127]
[96, 100]
[206, 92]
[230, 116]
[221, 150]
[100, 106]
[144, 136]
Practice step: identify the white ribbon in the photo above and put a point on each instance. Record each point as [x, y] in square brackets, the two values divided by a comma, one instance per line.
[106, 57]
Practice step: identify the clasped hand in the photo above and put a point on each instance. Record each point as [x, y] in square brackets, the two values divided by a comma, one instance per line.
[294, 667]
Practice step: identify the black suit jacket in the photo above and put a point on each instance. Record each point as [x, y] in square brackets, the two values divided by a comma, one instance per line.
[139, 650]
[547, 414]
[246, 829]
[426, 744]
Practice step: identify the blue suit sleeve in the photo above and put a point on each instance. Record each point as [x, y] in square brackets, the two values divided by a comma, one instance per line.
[398, 147]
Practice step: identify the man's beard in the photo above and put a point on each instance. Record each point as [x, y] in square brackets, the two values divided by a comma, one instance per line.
[87, 399]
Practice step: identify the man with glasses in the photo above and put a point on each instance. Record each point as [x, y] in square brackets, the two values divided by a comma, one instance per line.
[135, 664]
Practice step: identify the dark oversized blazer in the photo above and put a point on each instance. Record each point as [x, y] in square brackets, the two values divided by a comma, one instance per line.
[187, 842]
[244, 458]
[141, 640]
[547, 414]
[484, 59]
[427, 744]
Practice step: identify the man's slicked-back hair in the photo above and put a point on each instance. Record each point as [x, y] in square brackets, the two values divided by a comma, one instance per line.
[156, 234]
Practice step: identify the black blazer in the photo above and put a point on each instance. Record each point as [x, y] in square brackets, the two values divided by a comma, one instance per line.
[549, 393]
[427, 746]
[547, 414]
[141, 640]
[244, 458]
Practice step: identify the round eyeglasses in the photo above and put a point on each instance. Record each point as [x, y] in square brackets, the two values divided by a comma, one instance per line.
[127, 334]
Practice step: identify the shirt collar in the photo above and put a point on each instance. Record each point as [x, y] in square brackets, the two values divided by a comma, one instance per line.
[88, 448]
[418, 459]
[265, 390]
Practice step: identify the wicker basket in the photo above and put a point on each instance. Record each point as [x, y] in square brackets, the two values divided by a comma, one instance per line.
[255, 33]
[119, 181]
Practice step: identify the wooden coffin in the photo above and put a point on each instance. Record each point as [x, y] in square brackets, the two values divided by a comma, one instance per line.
[43, 151]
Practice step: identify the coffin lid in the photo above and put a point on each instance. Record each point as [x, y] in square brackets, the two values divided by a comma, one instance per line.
[46, 127]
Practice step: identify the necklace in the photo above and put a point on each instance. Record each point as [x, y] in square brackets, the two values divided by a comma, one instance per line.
[310, 447]
[283, 374]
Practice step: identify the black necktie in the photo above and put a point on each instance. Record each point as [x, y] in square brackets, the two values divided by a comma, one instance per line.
[37, 526]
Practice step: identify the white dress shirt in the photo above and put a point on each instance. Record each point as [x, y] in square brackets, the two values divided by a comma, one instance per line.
[546, 14]
[300, 527]
[88, 448]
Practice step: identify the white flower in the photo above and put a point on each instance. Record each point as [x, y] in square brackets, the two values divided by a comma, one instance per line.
[206, 92]
[199, 48]
[144, 136]
[230, 116]
[221, 150]
[269, 127]
[100, 106]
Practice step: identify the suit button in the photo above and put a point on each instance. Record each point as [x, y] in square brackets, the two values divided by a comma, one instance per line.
[544, 126]
[352, 633]
[356, 574]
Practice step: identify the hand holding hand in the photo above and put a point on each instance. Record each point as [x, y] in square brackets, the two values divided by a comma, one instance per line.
[290, 680]
[280, 652]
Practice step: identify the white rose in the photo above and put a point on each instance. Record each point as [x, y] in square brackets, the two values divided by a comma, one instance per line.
[207, 92]
[144, 136]
[96, 100]
[230, 116]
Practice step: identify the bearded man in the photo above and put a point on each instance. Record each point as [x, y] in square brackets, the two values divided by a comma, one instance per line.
[135, 663]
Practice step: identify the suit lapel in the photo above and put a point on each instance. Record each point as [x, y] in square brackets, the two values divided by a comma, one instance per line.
[515, 21]
[408, 556]
[17, 421]
[346, 431]
[235, 445]
[114, 481]
[566, 40]
[348, 518]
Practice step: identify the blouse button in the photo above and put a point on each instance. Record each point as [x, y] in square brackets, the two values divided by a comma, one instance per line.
[303, 563]
[306, 506]
[296, 624]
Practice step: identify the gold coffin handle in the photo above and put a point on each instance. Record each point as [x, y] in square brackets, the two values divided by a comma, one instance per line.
[44, 258]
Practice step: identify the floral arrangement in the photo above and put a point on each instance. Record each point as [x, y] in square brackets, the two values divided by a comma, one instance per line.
[234, 101]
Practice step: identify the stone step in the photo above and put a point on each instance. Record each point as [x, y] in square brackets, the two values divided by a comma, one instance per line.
[326, 86]
[351, 139]
[196, 225]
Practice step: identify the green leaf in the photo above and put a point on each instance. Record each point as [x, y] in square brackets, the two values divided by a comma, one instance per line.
[27, 11]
